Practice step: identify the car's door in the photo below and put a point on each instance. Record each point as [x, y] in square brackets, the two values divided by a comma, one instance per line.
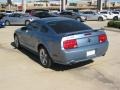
[94, 16]
[18, 19]
[90, 15]
[26, 34]
[87, 15]
[29, 34]
[10, 18]
[42, 35]
[14, 18]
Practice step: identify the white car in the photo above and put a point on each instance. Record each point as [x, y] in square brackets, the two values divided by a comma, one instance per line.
[117, 13]
[91, 15]
[108, 14]
[18, 19]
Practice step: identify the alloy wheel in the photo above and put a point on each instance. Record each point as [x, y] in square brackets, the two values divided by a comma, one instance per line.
[44, 57]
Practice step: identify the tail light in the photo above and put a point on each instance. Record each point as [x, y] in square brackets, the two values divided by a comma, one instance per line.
[102, 38]
[70, 44]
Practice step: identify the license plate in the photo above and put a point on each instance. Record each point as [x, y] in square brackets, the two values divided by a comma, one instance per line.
[90, 53]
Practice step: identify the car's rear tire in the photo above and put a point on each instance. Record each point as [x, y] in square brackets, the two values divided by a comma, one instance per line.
[27, 22]
[100, 19]
[16, 42]
[44, 58]
[7, 23]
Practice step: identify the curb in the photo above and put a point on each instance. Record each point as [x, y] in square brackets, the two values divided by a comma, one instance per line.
[111, 29]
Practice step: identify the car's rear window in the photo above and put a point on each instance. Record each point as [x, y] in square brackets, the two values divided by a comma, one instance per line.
[67, 26]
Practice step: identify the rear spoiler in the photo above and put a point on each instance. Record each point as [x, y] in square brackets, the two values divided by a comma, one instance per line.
[100, 29]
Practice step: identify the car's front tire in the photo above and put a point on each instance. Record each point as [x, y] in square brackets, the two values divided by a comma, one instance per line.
[44, 58]
[27, 22]
[7, 23]
[100, 19]
[115, 18]
[16, 41]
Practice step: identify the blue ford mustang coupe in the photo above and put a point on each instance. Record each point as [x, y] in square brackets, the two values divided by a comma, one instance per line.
[61, 40]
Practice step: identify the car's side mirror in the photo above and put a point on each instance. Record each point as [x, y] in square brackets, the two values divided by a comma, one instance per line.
[24, 28]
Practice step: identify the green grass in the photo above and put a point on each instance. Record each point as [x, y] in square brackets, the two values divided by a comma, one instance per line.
[115, 24]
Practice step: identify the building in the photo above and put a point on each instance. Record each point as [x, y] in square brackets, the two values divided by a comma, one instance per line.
[55, 4]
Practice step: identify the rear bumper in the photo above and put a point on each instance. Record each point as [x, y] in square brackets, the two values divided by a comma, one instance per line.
[80, 54]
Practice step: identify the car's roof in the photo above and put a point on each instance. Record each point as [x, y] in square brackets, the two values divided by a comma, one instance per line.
[52, 19]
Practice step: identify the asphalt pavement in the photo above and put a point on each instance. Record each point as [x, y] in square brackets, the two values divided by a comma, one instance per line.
[20, 70]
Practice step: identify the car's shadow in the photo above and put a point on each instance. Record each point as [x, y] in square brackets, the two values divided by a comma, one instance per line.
[55, 66]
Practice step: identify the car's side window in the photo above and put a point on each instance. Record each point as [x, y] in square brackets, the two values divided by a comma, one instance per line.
[37, 26]
[40, 14]
[90, 12]
[17, 15]
[103, 12]
[63, 13]
[69, 13]
[34, 25]
[12, 15]
[86, 12]
[44, 29]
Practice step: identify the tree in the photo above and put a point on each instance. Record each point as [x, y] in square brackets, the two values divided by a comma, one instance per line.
[106, 1]
[9, 2]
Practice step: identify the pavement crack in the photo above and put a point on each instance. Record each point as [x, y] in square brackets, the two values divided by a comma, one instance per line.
[102, 78]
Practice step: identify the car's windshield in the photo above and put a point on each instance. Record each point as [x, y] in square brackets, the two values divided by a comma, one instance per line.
[67, 26]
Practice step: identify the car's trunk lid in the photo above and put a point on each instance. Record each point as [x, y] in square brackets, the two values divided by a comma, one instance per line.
[83, 38]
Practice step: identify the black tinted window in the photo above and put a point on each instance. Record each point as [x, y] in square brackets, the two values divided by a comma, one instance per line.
[42, 14]
[33, 25]
[37, 26]
[115, 12]
[11, 15]
[63, 13]
[103, 12]
[17, 15]
[68, 26]
[44, 29]
[88, 12]
[69, 13]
